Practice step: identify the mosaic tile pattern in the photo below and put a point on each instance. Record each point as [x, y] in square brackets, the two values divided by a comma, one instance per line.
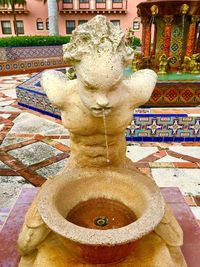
[18, 53]
[29, 59]
[164, 128]
[182, 93]
[29, 65]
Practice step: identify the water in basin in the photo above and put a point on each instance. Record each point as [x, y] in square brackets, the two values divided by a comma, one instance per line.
[102, 214]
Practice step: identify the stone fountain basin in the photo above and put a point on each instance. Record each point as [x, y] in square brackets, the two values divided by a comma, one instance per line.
[134, 190]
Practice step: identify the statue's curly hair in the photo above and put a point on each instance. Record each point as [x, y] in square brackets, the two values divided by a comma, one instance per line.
[97, 35]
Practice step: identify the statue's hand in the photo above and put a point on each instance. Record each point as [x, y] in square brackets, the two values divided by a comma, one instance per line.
[141, 85]
[55, 85]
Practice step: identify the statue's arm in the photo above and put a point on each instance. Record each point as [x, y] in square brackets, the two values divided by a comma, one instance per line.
[169, 229]
[140, 86]
[56, 86]
[33, 231]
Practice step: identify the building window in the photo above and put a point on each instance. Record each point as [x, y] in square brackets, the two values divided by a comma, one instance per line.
[6, 27]
[40, 25]
[116, 22]
[136, 25]
[84, 1]
[70, 26]
[67, 1]
[20, 26]
[82, 22]
[100, 1]
[117, 1]
[47, 24]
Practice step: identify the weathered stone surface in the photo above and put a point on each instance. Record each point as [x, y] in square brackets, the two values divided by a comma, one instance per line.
[96, 109]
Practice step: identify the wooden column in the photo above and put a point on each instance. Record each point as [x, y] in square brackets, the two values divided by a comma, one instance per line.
[146, 37]
[167, 35]
[154, 40]
[144, 23]
[191, 37]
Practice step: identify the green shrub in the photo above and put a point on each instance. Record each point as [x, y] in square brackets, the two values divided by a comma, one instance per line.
[33, 40]
[136, 42]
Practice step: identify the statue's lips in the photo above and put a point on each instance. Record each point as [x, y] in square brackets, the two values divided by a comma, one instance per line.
[101, 111]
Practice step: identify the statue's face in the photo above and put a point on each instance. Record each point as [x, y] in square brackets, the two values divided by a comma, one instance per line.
[100, 78]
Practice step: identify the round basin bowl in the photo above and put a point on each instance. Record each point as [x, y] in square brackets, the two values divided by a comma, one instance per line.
[101, 214]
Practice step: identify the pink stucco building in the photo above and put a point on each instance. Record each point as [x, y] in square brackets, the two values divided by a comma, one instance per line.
[32, 19]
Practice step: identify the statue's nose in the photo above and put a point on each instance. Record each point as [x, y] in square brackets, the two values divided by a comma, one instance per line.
[102, 101]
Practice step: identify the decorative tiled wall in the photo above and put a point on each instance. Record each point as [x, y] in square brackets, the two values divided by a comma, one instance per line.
[164, 128]
[17, 53]
[182, 93]
[29, 66]
[15, 60]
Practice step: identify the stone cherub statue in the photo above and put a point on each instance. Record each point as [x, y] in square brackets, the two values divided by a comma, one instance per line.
[100, 93]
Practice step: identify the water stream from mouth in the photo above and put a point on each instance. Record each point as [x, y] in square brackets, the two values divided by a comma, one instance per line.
[106, 136]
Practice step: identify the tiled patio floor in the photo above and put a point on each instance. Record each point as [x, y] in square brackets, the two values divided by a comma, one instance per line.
[34, 147]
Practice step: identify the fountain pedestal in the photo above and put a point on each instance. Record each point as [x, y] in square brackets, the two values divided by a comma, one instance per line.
[9, 255]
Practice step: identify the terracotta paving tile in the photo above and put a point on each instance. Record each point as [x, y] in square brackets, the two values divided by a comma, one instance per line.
[141, 164]
[160, 154]
[6, 128]
[49, 141]
[18, 145]
[172, 194]
[189, 158]
[190, 200]
[7, 172]
[49, 161]
[146, 171]
[188, 222]
[21, 135]
[197, 200]
[39, 137]
[191, 144]
[64, 137]
[27, 194]
[13, 116]
[32, 177]
[4, 156]
[161, 164]
[189, 165]
[2, 136]
[7, 122]
[11, 161]
[148, 159]
[62, 147]
[174, 154]
[53, 136]
[15, 164]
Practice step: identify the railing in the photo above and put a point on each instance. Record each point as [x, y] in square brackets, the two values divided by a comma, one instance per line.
[8, 8]
[94, 6]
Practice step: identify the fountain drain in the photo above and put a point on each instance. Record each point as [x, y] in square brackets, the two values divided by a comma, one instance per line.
[101, 221]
